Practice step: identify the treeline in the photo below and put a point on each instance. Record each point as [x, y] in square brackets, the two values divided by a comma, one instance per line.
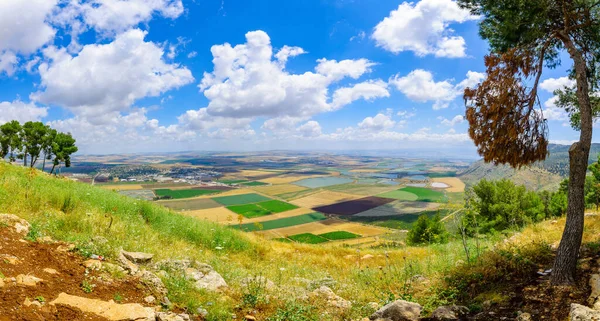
[32, 140]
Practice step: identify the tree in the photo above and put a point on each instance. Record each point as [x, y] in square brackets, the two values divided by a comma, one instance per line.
[428, 230]
[592, 194]
[47, 145]
[10, 140]
[62, 149]
[35, 139]
[524, 37]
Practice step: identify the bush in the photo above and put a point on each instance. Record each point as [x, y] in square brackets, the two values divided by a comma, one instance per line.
[428, 230]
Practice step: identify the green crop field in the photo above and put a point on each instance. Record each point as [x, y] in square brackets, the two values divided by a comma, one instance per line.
[307, 238]
[190, 204]
[441, 174]
[249, 210]
[426, 195]
[400, 194]
[232, 181]
[282, 222]
[183, 193]
[276, 206]
[255, 183]
[240, 199]
[339, 235]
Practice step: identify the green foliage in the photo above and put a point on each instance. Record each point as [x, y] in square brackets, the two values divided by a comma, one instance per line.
[249, 210]
[295, 311]
[40, 299]
[87, 286]
[501, 204]
[427, 231]
[118, 297]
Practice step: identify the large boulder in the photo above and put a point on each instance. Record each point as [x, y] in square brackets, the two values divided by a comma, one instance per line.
[18, 224]
[583, 313]
[594, 283]
[399, 310]
[154, 283]
[453, 312]
[126, 264]
[332, 300]
[138, 257]
[108, 310]
[203, 275]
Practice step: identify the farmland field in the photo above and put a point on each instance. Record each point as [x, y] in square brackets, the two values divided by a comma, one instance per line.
[426, 195]
[275, 206]
[279, 189]
[232, 181]
[121, 187]
[399, 208]
[323, 198]
[354, 206]
[191, 204]
[240, 199]
[339, 235]
[249, 210]
[219, 214]
[291, 213]
[140, 194]
[285, 179]
[401, 222]
[362, 188]
[281, 223]
[307, 238]
[253, 183]
[400, 195]
[456, 185]
[183, 193]
[326, 226]
[319, 182]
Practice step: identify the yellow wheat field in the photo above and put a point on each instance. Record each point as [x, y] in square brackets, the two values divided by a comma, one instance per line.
[252, 173]
[122, 187]
[286, 179]
[219, 214]
[323, 198]
[292, 213]
[279, 189]
[330, 225]
[456, 185]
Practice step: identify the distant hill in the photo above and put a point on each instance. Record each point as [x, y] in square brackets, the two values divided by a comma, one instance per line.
[544, 175]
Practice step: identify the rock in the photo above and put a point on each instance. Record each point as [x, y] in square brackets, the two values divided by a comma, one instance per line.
[154, 283]
[453, 312]
[35, 303]
[126, 264]
[1, 283]
[332, 299]
[249, 318]
[112, 268]
[258, 281]
[399, 310]
[28, 280]
[94, 265]
[594, 283]
[46, 240]
[202, 312]
[206, 278]
[50, 271]
[149, 299]
[373, 305]
[10, 259]
[66, 248]
[524, 317]
[367, 257]
[20, 225]
[583, 313]
[168, 316]
[138, 257]
[108, 310]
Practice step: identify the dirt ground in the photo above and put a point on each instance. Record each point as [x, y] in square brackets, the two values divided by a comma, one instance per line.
[21, 257]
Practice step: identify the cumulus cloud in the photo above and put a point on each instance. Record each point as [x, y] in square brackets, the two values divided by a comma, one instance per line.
[550, 85]
[458, 119]
[247, 82]
[420, 86]
[23, 29]
[368, 90]
[377, 123]
[423, 28]
[20, 111]
[310, 129]
[102, 80]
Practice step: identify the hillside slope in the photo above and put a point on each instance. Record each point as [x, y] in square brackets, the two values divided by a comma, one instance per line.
[534, 177]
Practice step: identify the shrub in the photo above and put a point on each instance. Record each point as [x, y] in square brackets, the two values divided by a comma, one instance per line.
[427, 230]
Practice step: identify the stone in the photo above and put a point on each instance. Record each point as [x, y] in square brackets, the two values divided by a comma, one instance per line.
[202, 312]
[333, 300]
[258, 281]
[28, 280]
[10, 259]
[50, 271]
[208, 280]
[20, 225]
[150, 299]
[168, 316]
[250, 318]
[94, 265]
[524, 317]
[29, 303]
[138, 257]
[453, 312]
[66, 248]
[155, 284]
[108, 310]
[582, 313]
[373, 305]
[126, 264]
[594, 283]
[112, 268]
[2, 284]
[399, 310]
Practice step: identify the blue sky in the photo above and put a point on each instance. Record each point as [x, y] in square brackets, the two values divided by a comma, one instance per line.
[169, 75]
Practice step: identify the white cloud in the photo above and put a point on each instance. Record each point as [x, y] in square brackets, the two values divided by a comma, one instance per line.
[200, 120]
[20, 111]
[192, 54]
[368, 90]
[377, 123]
[360, 36]
[247, 82]
[106, 79]
[420, 86]
[310, 129]
[23, 29]
[423, 28]
[406, 114]
[458, 119]
[550, 85]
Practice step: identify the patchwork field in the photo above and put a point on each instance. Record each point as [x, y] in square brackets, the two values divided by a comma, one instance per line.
[426, 195]
[339, 235]
[325, 226]
[399, 208]
[279, 189]
[300, 220]
[308, 238]
[456, 185]
[286, 179]
[354, 206]
[400, 195]
[366, 187]
[323, 198]
[140, 194]
[121, 187]
[319, 182]
[184, 193]
[296, 212]
[262, 208]
[191, 204]
[218, 214]
[254, 183]
[240, 199]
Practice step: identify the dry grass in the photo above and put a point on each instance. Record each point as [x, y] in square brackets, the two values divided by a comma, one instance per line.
[279, 189]
[323, 198]
[456, 185]
[253, 173]
[330, 225]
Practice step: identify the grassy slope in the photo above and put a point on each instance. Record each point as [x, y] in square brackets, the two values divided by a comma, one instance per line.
[76, 212]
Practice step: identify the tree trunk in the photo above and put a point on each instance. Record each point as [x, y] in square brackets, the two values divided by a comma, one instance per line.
[44, 163]
[52, 170]
[565, 264]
